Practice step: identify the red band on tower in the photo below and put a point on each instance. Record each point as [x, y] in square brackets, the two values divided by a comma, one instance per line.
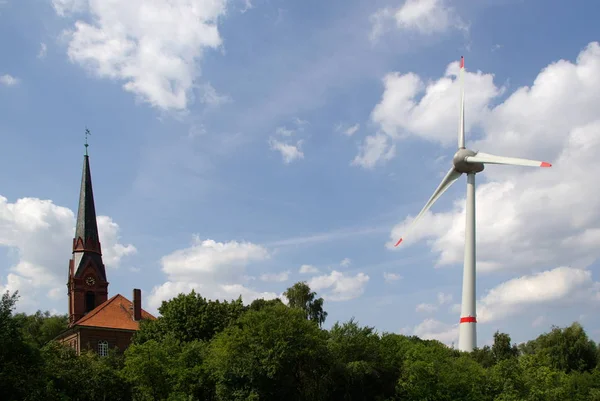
[468, 319]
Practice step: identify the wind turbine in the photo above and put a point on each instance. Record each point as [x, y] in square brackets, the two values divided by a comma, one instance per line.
[468, 162]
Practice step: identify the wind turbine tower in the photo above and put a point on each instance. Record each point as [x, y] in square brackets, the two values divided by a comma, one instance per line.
[468, 162]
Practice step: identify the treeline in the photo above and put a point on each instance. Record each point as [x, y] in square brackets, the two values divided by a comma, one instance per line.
[209, 350]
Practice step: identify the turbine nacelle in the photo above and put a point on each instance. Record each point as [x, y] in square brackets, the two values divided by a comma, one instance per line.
[463, 166]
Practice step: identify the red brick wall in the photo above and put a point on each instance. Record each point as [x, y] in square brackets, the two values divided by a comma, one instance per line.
[89, 337]
[72, 341]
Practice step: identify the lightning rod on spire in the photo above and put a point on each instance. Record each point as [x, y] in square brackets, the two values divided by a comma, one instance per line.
[87, 132]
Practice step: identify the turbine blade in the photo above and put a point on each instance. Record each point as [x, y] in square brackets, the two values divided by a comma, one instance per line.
[461, 123]
[448, 180]
[486, 158]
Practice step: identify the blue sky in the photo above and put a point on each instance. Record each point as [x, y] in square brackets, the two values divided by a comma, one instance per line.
[186, 126]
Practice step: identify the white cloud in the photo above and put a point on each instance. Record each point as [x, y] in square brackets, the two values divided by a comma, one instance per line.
[431, 329]
[376, 148]
[391, 277]
[67, 7]
[283, 131]
[247, 6]
[215, 269]
[211, 259]
[308, 269]
[426, 308]
[300, 123]
[562, 284]
[8, 80]
[345, 262]
[434, 116]
[154, 47]
[211, 97]
[527, 219]
[340, 287]
[43, 50]
[289, 153]
[352, 130]
[41, 235]
[444, 298]
[226, 292]
[112, 250]
[347, 130]
[426, 17]
[276, 277]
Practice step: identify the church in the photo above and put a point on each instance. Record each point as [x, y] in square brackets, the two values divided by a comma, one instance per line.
[96, 322]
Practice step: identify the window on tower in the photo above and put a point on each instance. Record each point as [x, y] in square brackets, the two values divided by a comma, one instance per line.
[90, 301]
[103, 348]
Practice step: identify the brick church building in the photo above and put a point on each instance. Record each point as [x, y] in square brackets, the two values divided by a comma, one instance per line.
[95, 321]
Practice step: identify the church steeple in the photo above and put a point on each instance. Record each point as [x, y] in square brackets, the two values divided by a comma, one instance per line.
[87, 283]
[86, 228]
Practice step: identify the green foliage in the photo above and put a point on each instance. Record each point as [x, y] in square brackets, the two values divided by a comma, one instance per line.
[85, 377]
[41, 327]
[18, 359]
[431, 371]
[270, 354]
[260, 303]
[502, 349]
[300, 296]
[225, 351]
[359, 371]
[567, 349]
[190, 317]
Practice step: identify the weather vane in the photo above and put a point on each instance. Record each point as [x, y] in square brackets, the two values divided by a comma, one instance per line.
[87, 132]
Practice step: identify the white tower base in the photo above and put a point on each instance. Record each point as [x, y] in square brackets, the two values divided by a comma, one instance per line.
[467, 333]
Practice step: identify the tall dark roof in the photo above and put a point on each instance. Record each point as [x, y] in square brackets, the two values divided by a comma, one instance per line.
[87, 226]
[86, 244]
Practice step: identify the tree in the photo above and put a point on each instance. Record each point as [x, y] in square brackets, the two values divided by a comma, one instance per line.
[67, 376]
[260, 303]
[359, 371]
[565, 349]
[190, 317]
[148, 368]
[271, 354]
[502, 349]
[300, 296]
[41, 327]
[432, 371]
[484, 356]
[19, 361]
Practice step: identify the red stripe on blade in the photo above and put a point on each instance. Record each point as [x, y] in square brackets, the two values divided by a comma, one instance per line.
[545, 164]
[468, 319]
[399, 241]
[462, 62]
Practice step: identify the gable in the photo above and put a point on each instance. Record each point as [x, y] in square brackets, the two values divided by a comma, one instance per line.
[115, 313]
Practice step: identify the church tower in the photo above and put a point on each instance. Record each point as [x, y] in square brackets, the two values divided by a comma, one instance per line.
[87, 285]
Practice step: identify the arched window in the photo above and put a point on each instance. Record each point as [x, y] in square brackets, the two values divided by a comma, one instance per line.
[90, 301]
[103, 348]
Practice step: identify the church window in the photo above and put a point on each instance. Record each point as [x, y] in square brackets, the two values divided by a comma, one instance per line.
[90, 301]
[103, 348]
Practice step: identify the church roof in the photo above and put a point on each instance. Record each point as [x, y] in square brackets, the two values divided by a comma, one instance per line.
[114, 313]
[86, 226]
[87, 241]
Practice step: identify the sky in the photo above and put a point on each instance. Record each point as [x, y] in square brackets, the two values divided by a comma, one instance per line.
[241, 146]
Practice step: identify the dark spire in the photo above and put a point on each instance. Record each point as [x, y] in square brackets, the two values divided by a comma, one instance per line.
[86, 244]
[87, 226]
